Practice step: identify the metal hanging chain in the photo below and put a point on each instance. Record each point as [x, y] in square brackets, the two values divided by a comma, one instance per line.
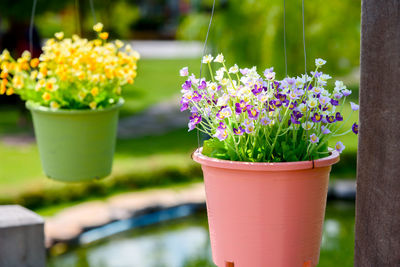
[93, 11]
[31, 26]
[203, 54]
[284, 34]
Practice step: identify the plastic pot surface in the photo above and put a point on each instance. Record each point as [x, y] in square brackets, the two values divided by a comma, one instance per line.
[266, 214]
[75, 145]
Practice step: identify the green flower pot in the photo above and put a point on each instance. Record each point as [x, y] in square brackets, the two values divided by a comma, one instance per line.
[75, 145]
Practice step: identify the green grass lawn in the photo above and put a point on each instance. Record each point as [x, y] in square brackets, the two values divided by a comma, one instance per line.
[139, 163]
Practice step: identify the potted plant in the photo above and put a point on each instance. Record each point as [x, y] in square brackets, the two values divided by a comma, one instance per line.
[266, 165]
[73, 91]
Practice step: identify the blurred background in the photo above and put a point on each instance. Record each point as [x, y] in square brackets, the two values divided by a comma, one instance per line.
[154, 147]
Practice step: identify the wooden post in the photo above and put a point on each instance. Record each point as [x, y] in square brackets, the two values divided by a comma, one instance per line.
[21, 238]
[377, 240]
[229, 264]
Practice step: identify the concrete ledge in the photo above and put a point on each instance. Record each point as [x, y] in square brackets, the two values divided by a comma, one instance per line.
[21, 238]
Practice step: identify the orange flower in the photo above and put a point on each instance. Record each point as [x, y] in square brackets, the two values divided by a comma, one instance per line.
[103, 35]
[34, 62]
[3, 74]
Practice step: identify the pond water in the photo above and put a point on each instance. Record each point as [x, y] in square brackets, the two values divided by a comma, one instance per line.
[185, 243]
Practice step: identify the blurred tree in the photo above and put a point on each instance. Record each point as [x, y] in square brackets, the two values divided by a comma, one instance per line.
[250, 32]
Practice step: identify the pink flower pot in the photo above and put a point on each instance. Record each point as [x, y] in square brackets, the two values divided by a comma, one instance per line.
[266, 214]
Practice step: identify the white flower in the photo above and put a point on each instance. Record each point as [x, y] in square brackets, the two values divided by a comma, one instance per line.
[307, 125]
[302, 108]
[312, 103]
[184, 71]
[319, 62]
[207, 59]
[339, 86]
[270, 76]
[224, 81]
[234, 69]
[223, 100]
[219, 58]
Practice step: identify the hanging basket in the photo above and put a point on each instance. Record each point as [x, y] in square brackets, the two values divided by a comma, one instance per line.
[266, 214]
[75, 145]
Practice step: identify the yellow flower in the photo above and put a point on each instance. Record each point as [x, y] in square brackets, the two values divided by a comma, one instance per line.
[46, 96]
[103, 35]
[81, 95]
[94, 91]
[98, 27]
[119, 43]
[10, 91]
[93, 105]
[18, 81]
[40, 84]
[54, 105]
[59, 35]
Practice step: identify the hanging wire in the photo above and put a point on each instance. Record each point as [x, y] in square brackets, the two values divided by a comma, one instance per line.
[306, 90]
[93, 11]
[31, 26]
[203, 54]
[77, 20]
[304, 39]
[284, 34]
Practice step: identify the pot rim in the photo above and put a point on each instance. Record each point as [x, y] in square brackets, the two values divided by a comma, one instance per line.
[38, 108]
[265, 166]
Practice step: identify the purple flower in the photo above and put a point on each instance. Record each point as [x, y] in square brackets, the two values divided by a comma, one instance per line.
[330, 119]
[221, 134]
[222, 126]
[293, 120]
[354, 128]
[310, 87]
[314, 138]
[184, 104]
[316, 117]
[196, 96]
[325, 130]
[323, 100]
[337, 95]
[346, 92]
[238, 131]
[316, 74]
[240, 107]
[257, 90]
[253, 113]
[194, 120]
[339, 147]
[268, 71]
[334, 102]
[187, 85]
[265, 120]
[203, 85]
[225, 112]
[338, 116]
[293, 105]
[281, 97]
[249, 128]
[354, 106]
